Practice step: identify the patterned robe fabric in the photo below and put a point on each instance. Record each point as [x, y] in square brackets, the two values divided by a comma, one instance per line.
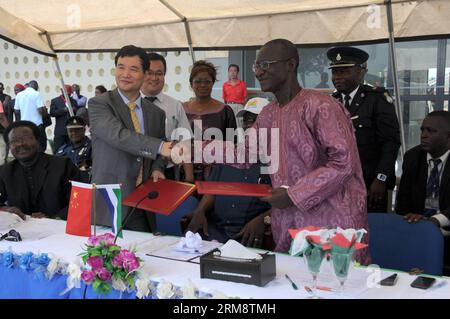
[319, 161]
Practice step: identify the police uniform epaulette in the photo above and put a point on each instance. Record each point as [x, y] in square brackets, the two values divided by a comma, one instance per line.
[372, 89]
[377, 90]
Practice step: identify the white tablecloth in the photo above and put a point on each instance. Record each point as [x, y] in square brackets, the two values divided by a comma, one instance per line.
[48, 236]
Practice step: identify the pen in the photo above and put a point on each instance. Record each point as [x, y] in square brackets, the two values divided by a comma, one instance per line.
[292, 283]
[324, 288]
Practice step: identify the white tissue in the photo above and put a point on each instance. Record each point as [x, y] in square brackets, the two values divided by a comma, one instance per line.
[349, 232]
[233, 249]
[7, 220]
[190, 242]
[299, 244]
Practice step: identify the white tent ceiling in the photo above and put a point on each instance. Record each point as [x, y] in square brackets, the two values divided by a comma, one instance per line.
[83, 25]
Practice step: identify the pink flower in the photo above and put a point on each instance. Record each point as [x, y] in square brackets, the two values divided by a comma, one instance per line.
[95, 262]
[107, 239]
[87, 276]
[130, 261]
[93, 241]
[104, 274]
[117, 261]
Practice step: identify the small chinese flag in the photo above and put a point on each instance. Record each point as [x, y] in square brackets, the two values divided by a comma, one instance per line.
[79, 215]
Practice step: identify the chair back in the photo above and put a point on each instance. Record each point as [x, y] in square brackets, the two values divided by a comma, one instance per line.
[170, 224]
[397, 244]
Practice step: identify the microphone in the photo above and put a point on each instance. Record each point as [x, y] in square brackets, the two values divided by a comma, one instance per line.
[150, 195]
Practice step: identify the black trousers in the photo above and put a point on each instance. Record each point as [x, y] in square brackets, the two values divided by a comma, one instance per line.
[42, 139]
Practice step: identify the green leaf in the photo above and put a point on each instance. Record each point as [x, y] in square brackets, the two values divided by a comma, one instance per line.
[104, 288]
[114, 248]
[96, 283]
[130, 281]
[95, 253]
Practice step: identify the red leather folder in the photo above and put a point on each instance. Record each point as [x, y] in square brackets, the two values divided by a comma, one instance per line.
[233, 189]
[170, 195]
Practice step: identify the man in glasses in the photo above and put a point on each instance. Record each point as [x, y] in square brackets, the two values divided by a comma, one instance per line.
[319, 178]
[373, 115]
[35, 183]
[176, 119]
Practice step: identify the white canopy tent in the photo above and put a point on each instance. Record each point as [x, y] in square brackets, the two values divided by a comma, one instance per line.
[52, 26]
[85, 25]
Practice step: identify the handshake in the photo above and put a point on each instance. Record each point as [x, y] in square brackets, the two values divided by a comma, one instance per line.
[178, 152]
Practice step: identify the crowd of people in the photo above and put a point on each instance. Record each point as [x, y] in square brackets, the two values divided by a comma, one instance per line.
[336, 153]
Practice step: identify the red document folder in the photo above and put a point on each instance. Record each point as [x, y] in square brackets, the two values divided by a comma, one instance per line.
[233, 189]
[170, 195]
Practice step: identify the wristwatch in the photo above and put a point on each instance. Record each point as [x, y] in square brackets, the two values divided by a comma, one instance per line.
[381, 177]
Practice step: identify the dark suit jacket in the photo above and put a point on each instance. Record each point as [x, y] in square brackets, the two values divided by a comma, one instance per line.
[117, 150]
[51, 175]
[412, 190]
[57, 110]
[377, 132]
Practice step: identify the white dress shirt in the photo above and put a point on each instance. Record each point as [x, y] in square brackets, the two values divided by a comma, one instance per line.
[352, 95]
[443, 220]
[176, 118]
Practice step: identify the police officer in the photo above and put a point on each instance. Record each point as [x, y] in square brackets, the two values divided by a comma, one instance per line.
[373, 115]
[79, 149]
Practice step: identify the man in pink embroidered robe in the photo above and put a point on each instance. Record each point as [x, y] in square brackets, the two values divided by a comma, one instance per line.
[318, 155]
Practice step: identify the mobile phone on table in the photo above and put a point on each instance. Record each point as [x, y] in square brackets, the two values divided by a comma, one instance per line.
[423, 282]
[389, 281]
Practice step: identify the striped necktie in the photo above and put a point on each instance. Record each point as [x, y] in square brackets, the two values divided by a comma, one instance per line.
[137, 128]
[433, 180]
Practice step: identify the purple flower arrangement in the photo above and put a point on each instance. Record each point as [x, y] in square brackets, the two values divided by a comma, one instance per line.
[106, 262]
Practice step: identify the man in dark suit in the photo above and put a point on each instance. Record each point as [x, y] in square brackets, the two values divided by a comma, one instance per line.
[424, 190]
[59, 110]
[127, 136]
[373, 115]
[34, 183]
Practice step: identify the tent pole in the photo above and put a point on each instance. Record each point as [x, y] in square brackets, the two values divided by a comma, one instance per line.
[393, 62]
[188, 35]
[186, 27]
[59, 75]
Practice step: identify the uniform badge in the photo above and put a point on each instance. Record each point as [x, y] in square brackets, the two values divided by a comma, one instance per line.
[388, 98]
[338, 57]
[81, 151]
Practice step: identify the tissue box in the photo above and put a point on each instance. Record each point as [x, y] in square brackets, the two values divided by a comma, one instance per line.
[253, 272]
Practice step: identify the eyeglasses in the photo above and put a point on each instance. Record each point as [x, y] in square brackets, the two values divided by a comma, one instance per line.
[200, 82]
[12, 235]
[265, 65]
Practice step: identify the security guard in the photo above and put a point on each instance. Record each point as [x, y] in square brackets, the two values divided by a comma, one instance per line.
[373, 115]
[79, 149]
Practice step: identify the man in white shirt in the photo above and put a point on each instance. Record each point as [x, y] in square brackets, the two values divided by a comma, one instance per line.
[29, 106]
[76, 95]
[177, 124]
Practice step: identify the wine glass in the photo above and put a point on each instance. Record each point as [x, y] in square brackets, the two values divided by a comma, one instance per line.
[341, 264]
[313, 257]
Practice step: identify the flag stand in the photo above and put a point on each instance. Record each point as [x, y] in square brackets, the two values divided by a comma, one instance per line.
[95, 208]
